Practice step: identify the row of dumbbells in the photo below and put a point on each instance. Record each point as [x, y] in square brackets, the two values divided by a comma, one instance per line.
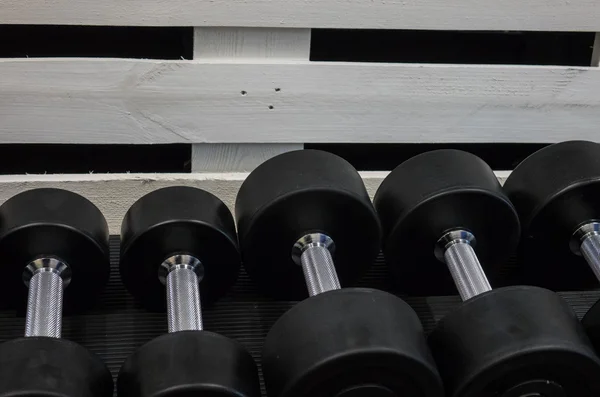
[306, 226]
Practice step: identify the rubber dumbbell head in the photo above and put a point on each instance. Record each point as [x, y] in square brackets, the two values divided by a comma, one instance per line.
[557, 194]
[52, 240]
[177, 221]
[292, 196]
[178, 249]
[514, 342]
[307, 227]
[435, 193]
[447, 207]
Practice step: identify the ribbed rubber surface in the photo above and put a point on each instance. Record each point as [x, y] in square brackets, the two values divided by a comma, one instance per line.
[118, 325]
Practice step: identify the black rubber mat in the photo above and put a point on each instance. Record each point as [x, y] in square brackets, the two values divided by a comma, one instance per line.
[118, 325]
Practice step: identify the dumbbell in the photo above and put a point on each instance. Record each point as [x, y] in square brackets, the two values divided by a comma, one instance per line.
[447, 207]
[307, 227]
[556, 192]
[178, 249]
[51, 240]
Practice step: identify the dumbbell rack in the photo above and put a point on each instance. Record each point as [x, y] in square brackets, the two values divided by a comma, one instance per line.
[118, 325]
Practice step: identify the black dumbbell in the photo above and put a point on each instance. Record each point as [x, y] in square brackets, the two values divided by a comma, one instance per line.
[556, 192]
[51, 239]
[178, 248]
[444, 206]
[297, 214]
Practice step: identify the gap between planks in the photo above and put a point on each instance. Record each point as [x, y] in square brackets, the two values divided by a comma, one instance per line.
[113, 194]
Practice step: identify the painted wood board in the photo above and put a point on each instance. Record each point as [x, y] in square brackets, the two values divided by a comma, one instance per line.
[144, 102]
[115, 193]
[236, 157]
[542, 15]
[251, 43]
[244, 44]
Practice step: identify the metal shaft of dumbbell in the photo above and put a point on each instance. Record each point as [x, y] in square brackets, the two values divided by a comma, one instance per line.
[587, 243]
[456, 249]
[46, 278]
[182, 275]
[314, 253]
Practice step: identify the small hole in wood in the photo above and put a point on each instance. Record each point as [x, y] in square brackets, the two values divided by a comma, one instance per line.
[243, 93]
[277, 89]
[271, 107]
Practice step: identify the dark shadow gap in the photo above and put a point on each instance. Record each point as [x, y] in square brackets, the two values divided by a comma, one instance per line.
[82, 159]
[385, 156]
[20, 41]
[412, 46]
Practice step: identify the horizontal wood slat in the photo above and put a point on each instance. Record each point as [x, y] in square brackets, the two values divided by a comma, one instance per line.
[543, 15]
[142, 101]
[115, 193]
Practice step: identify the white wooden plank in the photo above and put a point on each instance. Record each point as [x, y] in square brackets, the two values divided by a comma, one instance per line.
[115, 193]
[144, 101]
[596, 51]
[244, 44]
[236, 157]
[544, 15]
[249, 43]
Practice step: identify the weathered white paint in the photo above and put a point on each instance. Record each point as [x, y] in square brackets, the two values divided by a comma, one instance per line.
[596, 51]
[250, 43]
[236, 157]
[115, 193]
[149, 101]
[243, 45]
[544, 15]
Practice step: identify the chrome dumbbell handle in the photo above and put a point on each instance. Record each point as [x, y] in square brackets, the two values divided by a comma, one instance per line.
[455, 249]
[586, 242]
[182, 275]
[46, 278]
[314, 253]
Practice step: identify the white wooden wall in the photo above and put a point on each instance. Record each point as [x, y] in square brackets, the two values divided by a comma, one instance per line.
[251, 92]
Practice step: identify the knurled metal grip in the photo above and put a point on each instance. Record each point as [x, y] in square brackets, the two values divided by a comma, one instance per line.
[314, 253]
[586, 242]
[46, 279]
[455, 248]
[182, 275]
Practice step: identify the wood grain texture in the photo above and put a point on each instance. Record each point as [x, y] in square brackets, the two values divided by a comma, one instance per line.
[596, 51]
[545, 15]
[144, 101]
[115, 193]
[236, 157]
[245, 44]
[250, 43]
